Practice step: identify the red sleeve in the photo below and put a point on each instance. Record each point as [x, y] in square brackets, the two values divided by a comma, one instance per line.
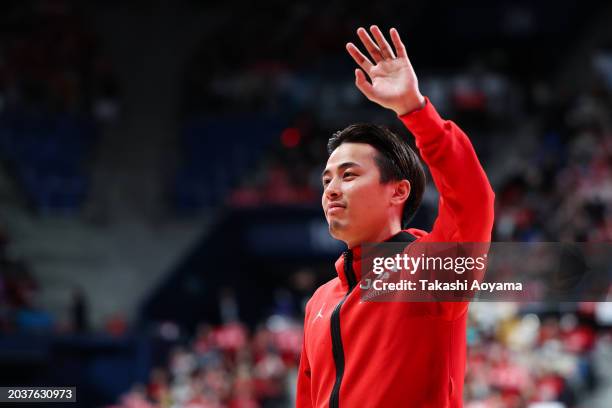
[303, 395]
[466, 203]
[465, 207]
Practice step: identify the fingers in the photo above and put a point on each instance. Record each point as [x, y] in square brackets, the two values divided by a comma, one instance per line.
[359, 58]
[380, 49]
[362, 84]
[369, 45]
[397, 42]
[383, 45]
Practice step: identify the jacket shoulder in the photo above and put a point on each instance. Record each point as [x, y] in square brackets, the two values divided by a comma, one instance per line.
[322, 291]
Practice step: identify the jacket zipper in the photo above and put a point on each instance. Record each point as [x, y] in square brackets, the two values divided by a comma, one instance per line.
[337, 348]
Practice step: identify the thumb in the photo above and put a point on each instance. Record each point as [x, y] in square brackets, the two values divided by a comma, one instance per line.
[362, 84]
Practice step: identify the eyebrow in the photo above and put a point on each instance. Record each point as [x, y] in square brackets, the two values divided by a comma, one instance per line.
[340, 167]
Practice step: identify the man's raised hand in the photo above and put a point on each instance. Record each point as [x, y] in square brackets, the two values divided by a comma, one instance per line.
[394, 82]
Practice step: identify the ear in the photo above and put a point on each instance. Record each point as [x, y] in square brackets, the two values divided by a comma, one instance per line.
[401, 192]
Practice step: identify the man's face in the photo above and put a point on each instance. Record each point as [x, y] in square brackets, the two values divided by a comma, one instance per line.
[356, 205]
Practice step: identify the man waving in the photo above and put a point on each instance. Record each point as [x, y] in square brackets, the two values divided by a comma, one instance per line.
[393, 354]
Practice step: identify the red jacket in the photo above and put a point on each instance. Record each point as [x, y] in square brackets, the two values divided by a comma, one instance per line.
[400, 354]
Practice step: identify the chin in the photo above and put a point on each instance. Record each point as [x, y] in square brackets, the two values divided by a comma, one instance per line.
[337, 229]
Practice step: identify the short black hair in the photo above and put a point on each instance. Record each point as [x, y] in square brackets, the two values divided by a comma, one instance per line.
[396, 160]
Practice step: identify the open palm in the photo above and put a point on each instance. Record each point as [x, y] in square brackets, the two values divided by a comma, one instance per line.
[394, 84]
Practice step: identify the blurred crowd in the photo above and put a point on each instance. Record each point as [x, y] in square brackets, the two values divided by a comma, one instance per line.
[20, 300]
[231, 365]
[51, 62]
[56, 89]
[226, 366]
[519, 357]
[18, 294]
[563, 192]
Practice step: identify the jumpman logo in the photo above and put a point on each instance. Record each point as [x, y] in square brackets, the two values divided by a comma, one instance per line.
[320, 314]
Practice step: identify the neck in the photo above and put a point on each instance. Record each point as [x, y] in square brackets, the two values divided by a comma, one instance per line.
[388, 230]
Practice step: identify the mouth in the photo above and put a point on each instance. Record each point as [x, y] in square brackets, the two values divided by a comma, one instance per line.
[335, 208]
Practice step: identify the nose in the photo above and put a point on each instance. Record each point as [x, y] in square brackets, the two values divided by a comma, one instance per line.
[332, 191]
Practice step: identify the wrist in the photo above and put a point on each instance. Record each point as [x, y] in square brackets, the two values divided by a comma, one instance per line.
[415, 103]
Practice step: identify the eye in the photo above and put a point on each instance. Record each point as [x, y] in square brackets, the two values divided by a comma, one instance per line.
[325, 181]
[348, 174]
